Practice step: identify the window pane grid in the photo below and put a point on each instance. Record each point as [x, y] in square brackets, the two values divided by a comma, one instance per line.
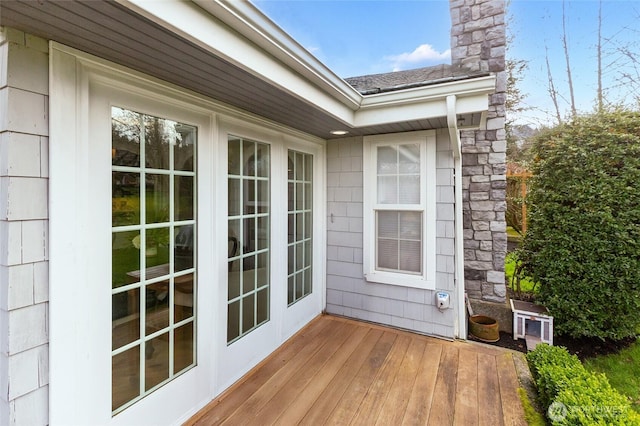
[398, 208]
[145, 286]
[300, 208]
[248, 197]
[399, 241]
[398, 174]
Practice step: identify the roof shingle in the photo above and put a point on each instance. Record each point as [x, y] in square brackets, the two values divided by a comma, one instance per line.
[398, 80]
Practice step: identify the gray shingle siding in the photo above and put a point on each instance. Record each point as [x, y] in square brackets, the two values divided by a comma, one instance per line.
[348, 293]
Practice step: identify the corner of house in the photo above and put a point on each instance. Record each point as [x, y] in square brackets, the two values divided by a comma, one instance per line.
[478, 42]
[24, 88]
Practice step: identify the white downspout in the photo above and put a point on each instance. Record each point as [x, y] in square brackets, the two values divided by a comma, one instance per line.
[460, 329]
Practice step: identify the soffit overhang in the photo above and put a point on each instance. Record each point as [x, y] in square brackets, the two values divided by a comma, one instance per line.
[233, 53]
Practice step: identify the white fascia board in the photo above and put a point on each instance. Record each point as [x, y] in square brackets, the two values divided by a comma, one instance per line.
[248, 20]
[425, 102]
[461, 88]
[469, 104]
[239, 33]
[398, 113]
[212, 34]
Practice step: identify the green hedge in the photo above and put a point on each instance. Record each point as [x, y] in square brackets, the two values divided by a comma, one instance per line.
[583, 238]
[571, 395]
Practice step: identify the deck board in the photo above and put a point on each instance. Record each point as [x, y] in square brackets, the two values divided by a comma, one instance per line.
[488, 398]
[269, 401]
[346, 409]
[338, 371]
[394, 407]
[371, 405]
[419, 406]
[445, 393]
[466, 408]
[331, 395]
[510, 400]
[304, 389]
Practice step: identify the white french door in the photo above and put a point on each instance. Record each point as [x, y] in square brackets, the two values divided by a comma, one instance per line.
[186, 245]
[270, 270]
[305, 287]
[129, 340]
[159, 350]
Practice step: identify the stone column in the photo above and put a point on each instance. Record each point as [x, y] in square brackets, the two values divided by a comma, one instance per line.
[478, 42]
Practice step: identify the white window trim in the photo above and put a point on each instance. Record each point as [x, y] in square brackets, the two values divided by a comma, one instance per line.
[427, 141]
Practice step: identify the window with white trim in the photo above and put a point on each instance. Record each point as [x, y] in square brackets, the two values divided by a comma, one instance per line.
[399, 208]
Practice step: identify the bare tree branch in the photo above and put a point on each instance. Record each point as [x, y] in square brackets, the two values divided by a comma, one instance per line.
[552, 89]
[565, 44]
[599, 94]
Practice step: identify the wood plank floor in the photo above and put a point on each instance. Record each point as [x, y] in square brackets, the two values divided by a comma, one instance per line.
[338, 371]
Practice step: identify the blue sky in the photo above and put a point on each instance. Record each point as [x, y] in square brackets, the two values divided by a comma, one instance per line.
[358, 37]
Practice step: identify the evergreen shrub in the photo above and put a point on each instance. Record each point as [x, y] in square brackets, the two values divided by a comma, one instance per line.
[583, 238]
[571, 395]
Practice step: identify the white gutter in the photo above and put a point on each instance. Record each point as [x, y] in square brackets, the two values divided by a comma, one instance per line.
[454, 139]
[239, 33]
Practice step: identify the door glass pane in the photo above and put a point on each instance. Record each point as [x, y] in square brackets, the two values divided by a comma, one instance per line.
[184, 242]
[249, 236]
[157, 198]
[184, 149]
[156, 249]
[183, 354]
[125, 137]
[262, 306]
[184, 208]
[157, 307]
[233, 197]
[125, 255]
[125, 202]
[159, 135]
[156, 354]
[125, 386]
[183, 300]
[233, 320]
[234, 156]
[125, 314]
[153, 252]
[248, 312]
[300, 208]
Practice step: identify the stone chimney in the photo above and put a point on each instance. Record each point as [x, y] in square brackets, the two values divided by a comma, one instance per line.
[478, 42]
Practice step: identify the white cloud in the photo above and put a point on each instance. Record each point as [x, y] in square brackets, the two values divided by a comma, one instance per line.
[422, 55]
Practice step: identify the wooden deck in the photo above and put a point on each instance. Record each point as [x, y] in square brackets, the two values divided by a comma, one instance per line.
[338, 371]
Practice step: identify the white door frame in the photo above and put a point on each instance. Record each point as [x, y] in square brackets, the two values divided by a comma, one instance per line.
[80, 249]
[79, 393]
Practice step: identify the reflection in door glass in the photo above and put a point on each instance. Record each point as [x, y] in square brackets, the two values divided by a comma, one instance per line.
[153, 245]
[300, 204]
[249, 243]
